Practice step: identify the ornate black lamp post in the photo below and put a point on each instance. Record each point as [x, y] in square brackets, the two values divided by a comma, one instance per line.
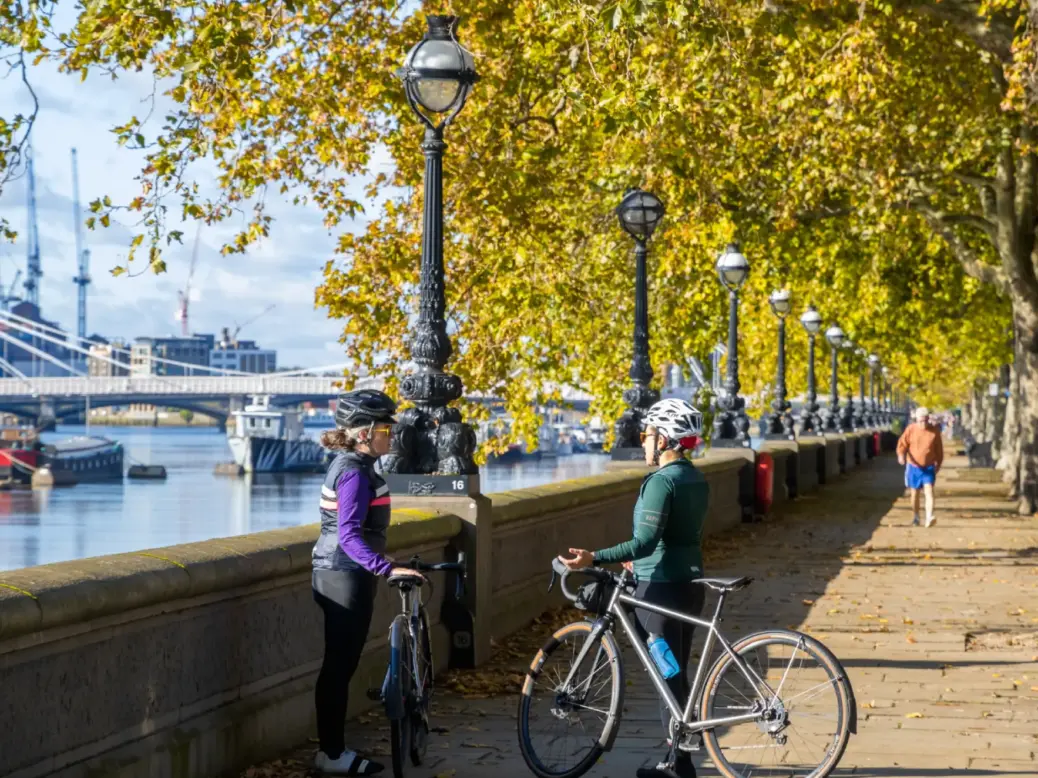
[640, 213]
[779, 425]
[431, 438]
[873, 417]
[847, 412]
[833, 421]
[731, 424]
[810, 421]
[886, 397]
[861, 411]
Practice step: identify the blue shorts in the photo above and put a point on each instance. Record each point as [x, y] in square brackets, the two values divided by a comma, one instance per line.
[916, 477]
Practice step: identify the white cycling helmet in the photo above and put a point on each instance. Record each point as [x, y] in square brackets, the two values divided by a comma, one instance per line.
[676, 419]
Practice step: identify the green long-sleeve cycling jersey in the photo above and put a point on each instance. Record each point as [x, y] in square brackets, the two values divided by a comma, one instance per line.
[668, 526]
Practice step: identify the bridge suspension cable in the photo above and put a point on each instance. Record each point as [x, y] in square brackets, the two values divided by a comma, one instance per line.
[38, 352]
[12, 318]
[36, 328]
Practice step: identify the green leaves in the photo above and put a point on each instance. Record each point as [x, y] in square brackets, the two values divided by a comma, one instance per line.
[803, 130]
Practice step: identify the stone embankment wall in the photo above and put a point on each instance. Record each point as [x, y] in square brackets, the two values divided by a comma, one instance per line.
[198, 659]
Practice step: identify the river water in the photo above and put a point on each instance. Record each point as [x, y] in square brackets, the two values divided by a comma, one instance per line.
[54, 525]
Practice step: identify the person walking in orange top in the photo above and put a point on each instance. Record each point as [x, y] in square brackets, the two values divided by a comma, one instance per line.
[921, 450]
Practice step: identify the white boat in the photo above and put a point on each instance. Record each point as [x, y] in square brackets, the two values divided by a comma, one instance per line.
[566, 444]
[596, 434]
[319, 417]
[547, 441]
[269, 440]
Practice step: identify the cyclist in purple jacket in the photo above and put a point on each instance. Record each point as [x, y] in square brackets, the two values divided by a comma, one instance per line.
[347, 560]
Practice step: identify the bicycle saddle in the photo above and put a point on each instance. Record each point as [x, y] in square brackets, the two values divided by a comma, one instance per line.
[725, 584]
[406, 580]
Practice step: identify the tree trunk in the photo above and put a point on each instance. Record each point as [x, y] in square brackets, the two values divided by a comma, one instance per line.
[1026, 322]
[996, 420]
[966, 423]
[979, 415]
[1010, 457]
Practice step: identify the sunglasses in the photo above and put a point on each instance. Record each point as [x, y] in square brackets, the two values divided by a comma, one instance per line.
[644, 435]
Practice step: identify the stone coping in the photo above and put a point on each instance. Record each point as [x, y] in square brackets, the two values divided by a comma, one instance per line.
[550, 498]
[37, 598]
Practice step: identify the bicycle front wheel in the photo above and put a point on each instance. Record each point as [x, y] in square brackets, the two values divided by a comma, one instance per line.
[565, 727]
[802, 724]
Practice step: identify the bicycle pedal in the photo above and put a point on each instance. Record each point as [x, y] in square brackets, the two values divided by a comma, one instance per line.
[375, 694]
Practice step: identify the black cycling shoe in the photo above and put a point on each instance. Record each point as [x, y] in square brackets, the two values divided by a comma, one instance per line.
[682, 768]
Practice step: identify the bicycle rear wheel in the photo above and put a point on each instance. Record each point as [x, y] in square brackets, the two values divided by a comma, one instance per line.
[424, 676]
[400, 696]
[801, 730]
[585, 714]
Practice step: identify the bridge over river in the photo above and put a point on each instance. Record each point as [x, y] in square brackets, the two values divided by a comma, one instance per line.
[216, 396]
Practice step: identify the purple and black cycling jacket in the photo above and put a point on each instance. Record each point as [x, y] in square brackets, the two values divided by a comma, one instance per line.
[355, 511]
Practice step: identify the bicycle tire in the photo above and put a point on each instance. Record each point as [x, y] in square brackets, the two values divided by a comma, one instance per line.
[400, 695]
[575, 631]
[846, 712]
[424, 690]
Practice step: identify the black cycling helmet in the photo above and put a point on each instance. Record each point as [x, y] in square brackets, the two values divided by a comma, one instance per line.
[362, 407]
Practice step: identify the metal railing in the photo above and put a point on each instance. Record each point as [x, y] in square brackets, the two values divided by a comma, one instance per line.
[198, 386]
[82, 386]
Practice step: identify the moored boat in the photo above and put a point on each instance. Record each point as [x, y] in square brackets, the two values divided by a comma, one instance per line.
[267, 440]
[70, 461]
[83, 458]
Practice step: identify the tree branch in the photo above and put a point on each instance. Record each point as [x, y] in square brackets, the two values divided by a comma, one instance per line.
[944, 225]
[992, 33]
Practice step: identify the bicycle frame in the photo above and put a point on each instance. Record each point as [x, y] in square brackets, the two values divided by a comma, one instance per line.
[616, 610]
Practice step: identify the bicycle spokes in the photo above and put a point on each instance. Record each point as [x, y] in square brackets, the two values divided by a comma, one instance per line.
[568, 703]
[799, 727]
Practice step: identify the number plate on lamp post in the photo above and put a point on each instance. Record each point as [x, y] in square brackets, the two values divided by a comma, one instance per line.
[418, 485]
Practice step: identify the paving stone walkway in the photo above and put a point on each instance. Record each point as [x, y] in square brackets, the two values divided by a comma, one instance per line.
[938, 629]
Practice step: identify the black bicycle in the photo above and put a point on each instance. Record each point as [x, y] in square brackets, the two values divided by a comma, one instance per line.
[408, 684]
[774, 703]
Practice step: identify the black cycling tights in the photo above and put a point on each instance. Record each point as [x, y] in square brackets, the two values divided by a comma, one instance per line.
[688, 598]
[345, 632]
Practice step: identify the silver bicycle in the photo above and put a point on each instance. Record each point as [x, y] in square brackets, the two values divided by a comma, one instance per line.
[756, 709]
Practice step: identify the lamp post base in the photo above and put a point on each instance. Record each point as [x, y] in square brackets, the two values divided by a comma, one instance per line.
[627, 454]
[729, 443]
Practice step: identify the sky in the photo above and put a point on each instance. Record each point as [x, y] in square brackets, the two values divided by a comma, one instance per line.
[282, 270]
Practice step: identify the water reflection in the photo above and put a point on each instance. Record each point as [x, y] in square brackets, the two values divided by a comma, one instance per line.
[38, 527]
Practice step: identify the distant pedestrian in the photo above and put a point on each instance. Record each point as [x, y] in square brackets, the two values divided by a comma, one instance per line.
[921, 450]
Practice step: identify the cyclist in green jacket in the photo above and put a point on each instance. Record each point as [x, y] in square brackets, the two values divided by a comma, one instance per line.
[664, 552]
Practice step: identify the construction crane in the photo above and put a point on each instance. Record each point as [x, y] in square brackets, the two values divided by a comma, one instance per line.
[82, 255]
[185, 295]
[7, 295]
[32, 276]
[238, 327]
[231, 339]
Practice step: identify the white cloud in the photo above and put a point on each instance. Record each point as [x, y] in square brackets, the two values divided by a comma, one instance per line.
[283, 270]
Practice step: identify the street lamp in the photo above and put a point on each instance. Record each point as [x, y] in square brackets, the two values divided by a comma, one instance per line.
[779, 426]
[847, 412]
[873, 414]
[731, 424]
[810, 422]
[833, 422]
[438, 75]
[639, 213]
[861, 411]
[886, 396]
